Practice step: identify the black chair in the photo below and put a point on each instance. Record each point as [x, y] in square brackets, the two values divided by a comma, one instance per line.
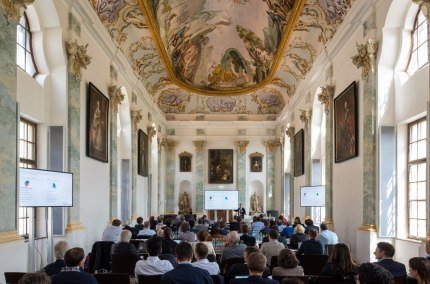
[149, 279]
[229, 263]
[328, 249]
[333, 279]
[217, 279]
[100, 256]
[273, 262]
[123, 263]
[313, 264]
[409, 280]
[283, 279]
[13, 277]
[112, 278]
[401, 280]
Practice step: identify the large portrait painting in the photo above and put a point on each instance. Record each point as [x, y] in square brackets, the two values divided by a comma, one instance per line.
[299, 153]
[346, 124]
[220, 166]
[97, 124]
[142, 159]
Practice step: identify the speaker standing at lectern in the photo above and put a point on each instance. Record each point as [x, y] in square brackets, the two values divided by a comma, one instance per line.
[240, 211]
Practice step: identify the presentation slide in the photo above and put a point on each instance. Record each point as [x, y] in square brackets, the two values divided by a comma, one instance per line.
[312, 196]
[221, 199]
[39, 188]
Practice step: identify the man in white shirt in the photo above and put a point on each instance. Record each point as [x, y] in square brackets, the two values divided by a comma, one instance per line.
[152, 265]
[201, 252]
[111, 233]
[146, 231]
[327, 237]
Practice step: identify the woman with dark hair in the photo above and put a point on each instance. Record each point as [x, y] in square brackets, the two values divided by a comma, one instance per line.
[186, 235]
[340, 262]
[288, 264]
[168, 245]
[202, 236]
[297, 222]
[139, 225]
[215, 235]
[371, 273]
[152, 222]
[419, 269]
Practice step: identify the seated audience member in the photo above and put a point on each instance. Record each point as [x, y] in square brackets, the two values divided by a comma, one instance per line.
[235, 225]
[186, 235]
[288, 231]
[371, 273]
[168, 244]
[288, 264]
[297, 222]
[327, 237]
[60, 249]
[126, 226]
[340, 263]
[311, 246]
[218, 222]
[146, 231]
[160, 224]
[168, 223]
[201, 238]
[241, 268]
[233, 248]
[246, 238]
[281, 239]
[153, 265]
[266, 228]
[280, 224]
[124, 246]
[205, 220]
[428, 249]
[192, 222]
[256, 265]
[384, 253]
[184, 272]
[153, 223]
[34, 278]
[419, 269]
[139, 225]
[257, 225]
[72, 272]
[272, 247]
[281, 217]
[111, 233]
[292, 281]
[310, 225]
[298, 236]
[223, 229]
[160, 233]
[215, 235]
[201, 253]
[199, 226]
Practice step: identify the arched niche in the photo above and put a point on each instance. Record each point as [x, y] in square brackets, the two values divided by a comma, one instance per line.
[257, 187]
[185, 186]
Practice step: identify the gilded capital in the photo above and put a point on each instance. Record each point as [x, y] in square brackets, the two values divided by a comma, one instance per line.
[271, 144]
[242, 144]
[11, 8]
[305, 117]
[151, 131]
[116, 97]
[136, 117]
[366, 57]
[170, 144]
[326, 97]
[200, 145]
[425, 6]
[160, 142]
[78, 58]
[290, 131]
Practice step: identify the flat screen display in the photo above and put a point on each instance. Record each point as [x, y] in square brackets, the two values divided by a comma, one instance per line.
[312, 196]
[40, 188]
[221, 199]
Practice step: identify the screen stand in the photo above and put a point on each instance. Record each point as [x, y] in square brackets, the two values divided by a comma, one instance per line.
[31, 265]
[50, 245]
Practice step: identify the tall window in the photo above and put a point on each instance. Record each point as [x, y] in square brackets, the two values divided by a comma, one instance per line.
[419, 56]
[27, 159]
[417, 178]
[24, 50]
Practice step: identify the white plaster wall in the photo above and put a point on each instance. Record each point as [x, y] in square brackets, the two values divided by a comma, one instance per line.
[17, 263]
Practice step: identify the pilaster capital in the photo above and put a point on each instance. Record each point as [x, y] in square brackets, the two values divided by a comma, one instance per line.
[366, 57]
[115, 96]
[199, 144]
[11, 8]
[425, 6]
[136, 117]
[242, 145]
[271, 144]
[326, 97]
[78, 58]
[151, 131]
[290, 131]
[305, 117]
[170, 144]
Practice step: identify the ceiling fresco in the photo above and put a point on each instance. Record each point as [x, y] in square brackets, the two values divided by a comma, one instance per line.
[217, 49]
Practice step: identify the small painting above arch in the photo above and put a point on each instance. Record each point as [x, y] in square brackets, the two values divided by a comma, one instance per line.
[256, 162]
[185, 161]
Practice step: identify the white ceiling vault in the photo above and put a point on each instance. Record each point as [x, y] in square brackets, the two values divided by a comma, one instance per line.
[243, 59]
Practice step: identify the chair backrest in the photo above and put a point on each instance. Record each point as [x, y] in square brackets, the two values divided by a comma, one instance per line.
[123, 263]
[217, 279]
[112, 278]
[328, 249]
[273, 262]
[313, 264]
[284, 279]
[100, 256]
[13, 277]
[149, 279]
[229, 263]
[332, 279]
[403, 280]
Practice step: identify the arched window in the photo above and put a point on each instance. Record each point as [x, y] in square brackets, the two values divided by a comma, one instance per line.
[24, 50]
[418, 56]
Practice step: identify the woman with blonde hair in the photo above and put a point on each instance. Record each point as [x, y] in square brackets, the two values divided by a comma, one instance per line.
[288, 264]
[299, 236]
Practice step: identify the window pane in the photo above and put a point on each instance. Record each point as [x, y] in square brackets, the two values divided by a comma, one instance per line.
[422, 130]
[421, 229]
[421, 190]
[29, 67]
[413, 173]
[422, 56]
[413, 224]
[413, 207]
[422, 172]
[413, 151]
[413, 63]
[20, 35]
[421, 151]
[30, 136]
[20, 56]
[413, 133]
[422, 34]
[413, 191]
[21, 129]
[421, 209]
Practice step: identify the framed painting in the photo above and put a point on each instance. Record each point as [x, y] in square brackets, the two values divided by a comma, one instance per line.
[346, 124]
[97, 124]
[142, 150]
[299, 153]
[220, 166]
[256, 162]
[185, 162]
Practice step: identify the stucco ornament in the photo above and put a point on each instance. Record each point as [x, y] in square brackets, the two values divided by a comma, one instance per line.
[305, 117]
[136, 117]
[11, 8]
[151, 130]
[78, 58]
[200, 145]
[326, 97]
[366, 57]
[242, 145]
[116, 97]
[290, 131]
[170, 144]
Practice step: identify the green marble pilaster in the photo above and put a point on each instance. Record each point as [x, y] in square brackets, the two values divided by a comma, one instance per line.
[159, 204]
[241, 170]
[270, 175]
[134, 173]
[200, 159]
[282, 175]
[329, 166]
[170, 183]
[74, 136]
[8, 125]
[308, 160]
[292, 215]
[113, 166]
[149, 179]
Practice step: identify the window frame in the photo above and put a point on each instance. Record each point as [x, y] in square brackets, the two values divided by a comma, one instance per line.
[27, 49]
[412, 43]
[408, 164]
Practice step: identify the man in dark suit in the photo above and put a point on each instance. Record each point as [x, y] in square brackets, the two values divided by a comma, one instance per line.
[235, 225]
[184, 272]
[60, 249]
[310, 225]
[256, 265]
[72, 273]
[384, 253]
[240, 211]
[124, 246]
[311, 246]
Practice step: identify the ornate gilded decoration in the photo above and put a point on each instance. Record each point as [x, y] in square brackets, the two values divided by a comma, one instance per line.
[151, 131]
[9, 236]
[199, 144]
[185, 204]
[185, 154]
[74, 227]
[305, 117]
[326, 97]
[11, 8]
[368, 227]
[78, 58]
[290, 131]
[170, 144]
[242, 144]
[366, 57]
[425, 6]
[159, 142]
[136, 117]
[116, 97]
[271, 144]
